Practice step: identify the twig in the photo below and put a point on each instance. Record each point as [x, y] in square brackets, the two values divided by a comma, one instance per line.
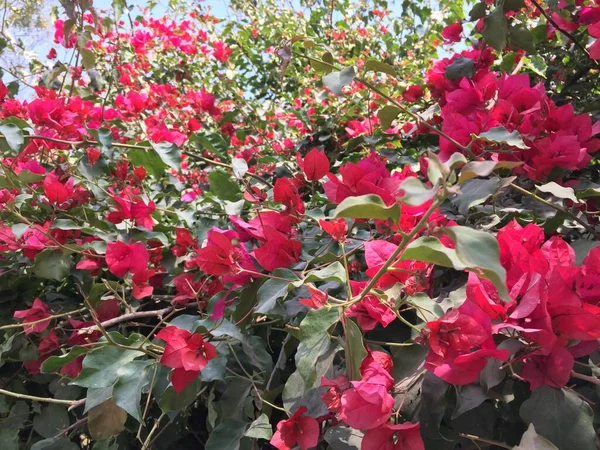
[38, 399]
[55, 316]
[125, 317]
[228, 166]
[487, 441]
[557, 208]
[580, 376]
[565, 32]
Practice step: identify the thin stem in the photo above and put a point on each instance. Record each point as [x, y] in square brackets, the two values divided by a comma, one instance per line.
[390, 344]
[565, 32]
[228, 166]
[580, 376]
[345, 261]
[557, 208]
[126, 317]
[55, 316]
[38, 399]
[487, 441]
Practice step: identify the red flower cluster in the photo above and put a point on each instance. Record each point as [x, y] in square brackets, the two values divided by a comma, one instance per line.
[187, 353]
[554, 310]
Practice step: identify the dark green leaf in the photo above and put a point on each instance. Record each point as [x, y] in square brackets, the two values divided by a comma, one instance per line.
[475, 192]
[12, 137]
[215, 142]
[54, 444]
[468, 397]
[273, 289]
[325, 66]
[51, 420]
[477, 12]
[54, 363]
[52, 265]
[513, 5]
[169, 154]
[355, 351]
[496, 29]
[260, 429]
[430, 249]
[333, 272]
[226, 435]
[367, 207]
[562, 417]
[415, 193]
[127, 392]
[343, 438]
[88, 58]
[479, 251]
[520, 37]
[501, 135]
[102, 367]
[461, 67]
[149, 159]
[223, 186]
[380, 66]
[387, 115]
[407, 360]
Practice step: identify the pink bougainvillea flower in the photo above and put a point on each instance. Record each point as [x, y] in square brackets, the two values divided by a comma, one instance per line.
[36, 313]
[122, 258]
[452, 33]
[406, 436]
[185, 352]
[277, 251]
[299, 430]
[317, 299]
[368, 403]
[336, 228]
[413, 93]
[130, 206]
[315, 164]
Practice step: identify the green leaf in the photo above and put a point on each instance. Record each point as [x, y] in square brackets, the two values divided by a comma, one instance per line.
[127, 392]
[387, 115]
[106, 420]
[101, 367]
[355, 351]
[461, 67]
[431, 250]
[88, 58]
[477, 12]
[65, 224]
[226, 435]
[407, 360]
[223, 186]
[367, 207]
[9, 438]
[495, 29]
[54, 363]
[479, 251]
[314, 339]
[273, 289]
[51, 421]
[325, 66]
[52, 265]
[149, 159]
[54, 444]
[468, 397]
[536, 63]
[520, 37]
[427, 309]
[12, 137]
[415, 193]
[533, 441]
[558, 191]
[476, 169]
[582, 247]
[333, 272]
[335, 81]
[561, 417]
[260, 429]
[169, 154]
[475, 192]
[380, 66]
[215, 142]
[513, 5]
[501, 135]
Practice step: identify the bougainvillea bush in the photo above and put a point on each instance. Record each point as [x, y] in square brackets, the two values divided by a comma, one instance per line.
[324, 225]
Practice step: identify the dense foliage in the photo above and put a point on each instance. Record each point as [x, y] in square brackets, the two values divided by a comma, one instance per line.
[336, 225]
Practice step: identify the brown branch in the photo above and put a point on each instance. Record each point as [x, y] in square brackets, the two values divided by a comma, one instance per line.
[125, 317]
[578, 44]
